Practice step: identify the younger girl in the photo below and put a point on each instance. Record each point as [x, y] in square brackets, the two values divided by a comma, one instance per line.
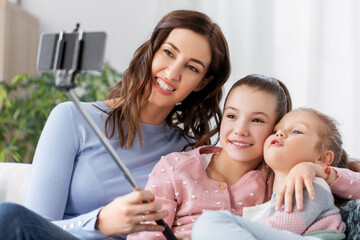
[302, 136]
[227, 178]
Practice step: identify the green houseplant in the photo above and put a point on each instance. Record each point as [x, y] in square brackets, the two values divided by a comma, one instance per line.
[27, 101]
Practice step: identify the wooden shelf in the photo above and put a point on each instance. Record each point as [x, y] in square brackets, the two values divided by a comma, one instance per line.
[19, 39]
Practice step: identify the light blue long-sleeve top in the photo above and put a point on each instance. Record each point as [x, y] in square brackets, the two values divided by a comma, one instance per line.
[73, 176]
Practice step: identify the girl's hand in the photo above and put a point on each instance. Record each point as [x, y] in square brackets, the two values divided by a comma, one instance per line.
[354, 164]
[301, 175]
[128, 213]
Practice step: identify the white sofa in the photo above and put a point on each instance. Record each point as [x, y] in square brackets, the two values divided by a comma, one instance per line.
[14, 178]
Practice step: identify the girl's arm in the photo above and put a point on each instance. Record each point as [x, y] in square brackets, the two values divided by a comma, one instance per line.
[342, 182]
[160, 183]
[354, 164]
[346, 184]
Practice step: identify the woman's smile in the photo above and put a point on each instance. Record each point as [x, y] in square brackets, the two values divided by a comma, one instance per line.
[163, 86]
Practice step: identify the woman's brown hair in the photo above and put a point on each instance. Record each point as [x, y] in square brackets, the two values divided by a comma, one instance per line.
[192, 116]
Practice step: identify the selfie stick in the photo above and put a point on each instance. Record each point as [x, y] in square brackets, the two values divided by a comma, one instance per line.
[65, 80]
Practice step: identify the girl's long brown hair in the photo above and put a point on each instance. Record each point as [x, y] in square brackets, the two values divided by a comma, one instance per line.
[330, 137]
[269, 85]
[192, 116]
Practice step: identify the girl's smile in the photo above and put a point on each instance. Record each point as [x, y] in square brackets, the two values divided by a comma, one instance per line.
[249, 118]
[239, 144]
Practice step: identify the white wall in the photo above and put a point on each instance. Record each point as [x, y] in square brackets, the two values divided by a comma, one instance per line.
[126, 24]
[312, 46]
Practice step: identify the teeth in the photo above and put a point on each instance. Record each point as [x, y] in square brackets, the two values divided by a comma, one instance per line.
[164, 86]
[241, 144]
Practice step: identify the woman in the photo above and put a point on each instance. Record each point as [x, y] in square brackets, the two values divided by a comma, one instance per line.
[166, 100]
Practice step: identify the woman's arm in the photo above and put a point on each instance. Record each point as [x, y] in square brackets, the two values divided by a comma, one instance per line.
[53, 165]
[51, 174]
[51, 180]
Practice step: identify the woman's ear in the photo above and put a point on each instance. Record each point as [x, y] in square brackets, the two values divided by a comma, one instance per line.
[203, 83]
[326, 158]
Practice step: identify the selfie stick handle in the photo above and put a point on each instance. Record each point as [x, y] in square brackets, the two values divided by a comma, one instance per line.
[167, 233]
[65, 79]
[129, 177]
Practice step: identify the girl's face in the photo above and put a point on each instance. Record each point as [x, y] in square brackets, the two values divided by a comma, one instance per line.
[294, 141]
[249, 118]
[178, 67]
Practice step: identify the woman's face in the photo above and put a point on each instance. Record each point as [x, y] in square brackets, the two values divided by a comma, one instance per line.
[294, 141]
[178, 67]
[249, 118]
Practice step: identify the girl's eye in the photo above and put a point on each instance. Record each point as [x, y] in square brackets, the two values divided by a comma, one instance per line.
[167, 52]
[230, 116]
[258, 120]
[297, 132]
[192, 68]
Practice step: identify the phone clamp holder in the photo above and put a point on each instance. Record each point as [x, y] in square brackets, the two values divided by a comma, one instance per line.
[65, 79]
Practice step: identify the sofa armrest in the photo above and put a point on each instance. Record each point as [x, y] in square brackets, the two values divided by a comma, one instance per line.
[14, 178]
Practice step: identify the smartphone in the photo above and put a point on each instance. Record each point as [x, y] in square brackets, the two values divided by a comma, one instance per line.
[58, 54]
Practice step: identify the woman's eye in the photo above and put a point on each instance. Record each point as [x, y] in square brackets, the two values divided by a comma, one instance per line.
[167, 52]
[192, 68]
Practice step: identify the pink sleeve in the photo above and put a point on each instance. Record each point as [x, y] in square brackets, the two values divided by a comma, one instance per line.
[347, 184]
[286, 221]
[161, 184]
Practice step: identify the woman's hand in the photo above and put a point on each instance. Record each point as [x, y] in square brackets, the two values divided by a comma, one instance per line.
[181, 236]
[301, 175]
[128, 213]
